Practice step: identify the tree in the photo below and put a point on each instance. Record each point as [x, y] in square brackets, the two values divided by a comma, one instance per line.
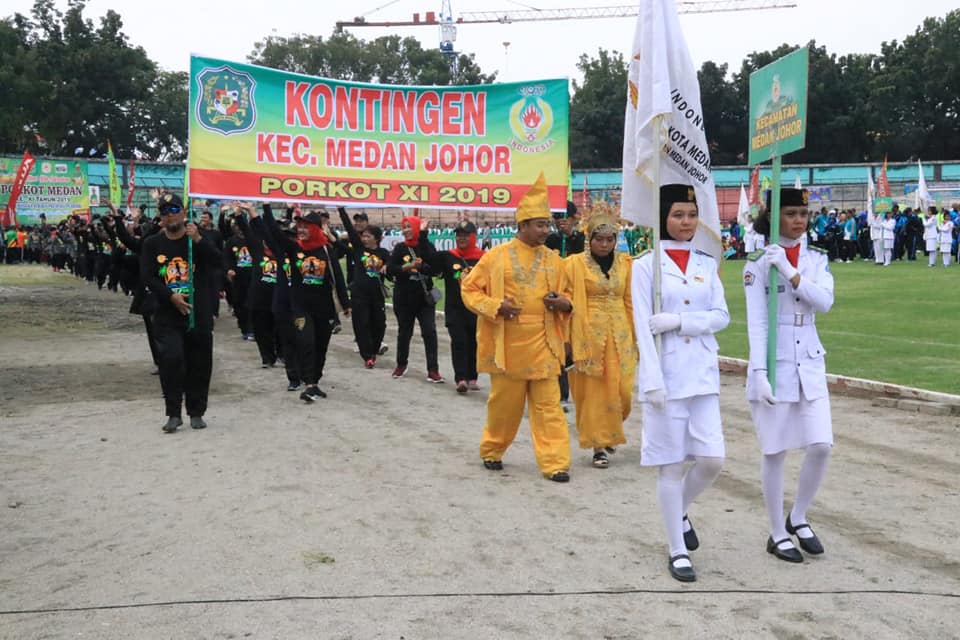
[597, 112]
[724, 116]
[386, 60]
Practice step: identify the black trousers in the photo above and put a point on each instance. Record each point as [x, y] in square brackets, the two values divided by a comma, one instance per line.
[263, 331]
[241, 291]
[564, 387]
[407, 313]
[286, 335]
[312, 340]
[369, 318]
[186, 363]
[462, 327]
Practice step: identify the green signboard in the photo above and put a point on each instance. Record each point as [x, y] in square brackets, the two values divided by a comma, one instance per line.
[55, 188]
[883, 205]
[778, 107]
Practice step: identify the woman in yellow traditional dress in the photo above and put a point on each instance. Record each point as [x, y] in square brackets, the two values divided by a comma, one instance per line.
[602, 340]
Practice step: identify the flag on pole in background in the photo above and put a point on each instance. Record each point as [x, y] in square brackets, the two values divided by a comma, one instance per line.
[871, 192]
[923, 197]
[585, 196]
[797, 184]
[753, 195]
[883, 184]
[131, 185]
[115, 194]
[743, 209]
[10, 211]
[662, 87]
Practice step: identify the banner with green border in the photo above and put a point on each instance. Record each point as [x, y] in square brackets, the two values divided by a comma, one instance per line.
[778, 107]
[56, 188]
[268, 135]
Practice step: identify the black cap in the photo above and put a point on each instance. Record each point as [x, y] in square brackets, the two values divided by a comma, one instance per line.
[313, 218]
[287, 226]
[790, 197]
[360, 216]
[169, 200]
[465, 226]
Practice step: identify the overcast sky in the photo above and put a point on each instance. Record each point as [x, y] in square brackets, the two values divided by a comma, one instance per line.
[173, 29]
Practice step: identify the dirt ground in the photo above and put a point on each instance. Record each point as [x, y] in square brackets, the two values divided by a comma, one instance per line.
[369, 515]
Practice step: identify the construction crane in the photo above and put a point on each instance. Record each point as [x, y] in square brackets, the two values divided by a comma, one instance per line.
[448, 29]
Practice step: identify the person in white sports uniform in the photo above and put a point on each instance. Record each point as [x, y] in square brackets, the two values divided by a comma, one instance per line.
[889, 225]
[945, 238]
[930, 236]
[875, 222]
[796, 414]
[679, 387]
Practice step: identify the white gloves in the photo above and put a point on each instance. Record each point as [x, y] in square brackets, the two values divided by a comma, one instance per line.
[777, 257]
[656, 398]
[664, 322]
[763, 387]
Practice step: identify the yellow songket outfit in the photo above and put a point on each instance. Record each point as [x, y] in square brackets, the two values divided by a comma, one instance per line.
[604, 347]
[523, 355]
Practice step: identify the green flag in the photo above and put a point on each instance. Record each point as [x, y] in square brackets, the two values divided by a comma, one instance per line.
[115, 195]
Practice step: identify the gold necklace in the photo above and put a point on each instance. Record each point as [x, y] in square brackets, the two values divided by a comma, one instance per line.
[524, 278]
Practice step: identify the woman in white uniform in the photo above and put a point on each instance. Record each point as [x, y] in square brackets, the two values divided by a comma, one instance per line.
[795, 415]
[889, 224]
[945, 238]
[930, 236]
[679, 387]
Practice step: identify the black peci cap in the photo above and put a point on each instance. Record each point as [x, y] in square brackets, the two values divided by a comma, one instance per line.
[790, 197]
[169, 200]
[465, 226]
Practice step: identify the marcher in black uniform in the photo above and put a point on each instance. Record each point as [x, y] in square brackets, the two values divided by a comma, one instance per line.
[215, 277]
[286, 335]
[409, 266]
[567, 240]
[368, 305]
[315, 275]
[461, 322]
[186, 355]
[263, 280]
[348, 248]
[238, 262]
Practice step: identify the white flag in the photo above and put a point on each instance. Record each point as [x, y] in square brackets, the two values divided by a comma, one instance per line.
[743, 209]
[662, 81]
[871, 192]
[922, 198]
[797, 184]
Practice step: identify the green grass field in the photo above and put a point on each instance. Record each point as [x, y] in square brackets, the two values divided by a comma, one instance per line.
[893, 324]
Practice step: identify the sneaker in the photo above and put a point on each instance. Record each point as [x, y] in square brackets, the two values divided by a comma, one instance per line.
[462, 386]
[268, 365]
[370, 363]
[399, 372]
[337, 328]
[382, 350]
[434, 376]
[196, 422]
[250, 337]
[156, 370]
[293, 386]
[472, 385]
[173, 423]
[312, 394]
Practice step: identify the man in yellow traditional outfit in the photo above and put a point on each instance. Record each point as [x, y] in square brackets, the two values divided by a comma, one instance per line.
[521, 323]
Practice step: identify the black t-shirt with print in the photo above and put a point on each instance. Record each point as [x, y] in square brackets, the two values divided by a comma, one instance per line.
[164, 271]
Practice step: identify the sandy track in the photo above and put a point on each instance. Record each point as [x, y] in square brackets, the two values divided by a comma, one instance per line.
[374, 502]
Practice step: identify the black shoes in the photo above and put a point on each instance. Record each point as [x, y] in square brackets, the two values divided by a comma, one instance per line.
[690, 538]
[196, 422]
[312, 394]
[173, 423]
[493, 465]
[810, 545]
[293, 386]
[683, 574]
[789, 555]
[560, 476]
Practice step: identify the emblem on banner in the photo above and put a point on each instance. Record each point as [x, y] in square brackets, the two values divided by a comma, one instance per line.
[531, 120]
[225, 100]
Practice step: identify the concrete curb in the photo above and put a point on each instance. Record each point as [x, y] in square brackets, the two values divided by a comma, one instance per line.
[893, 395]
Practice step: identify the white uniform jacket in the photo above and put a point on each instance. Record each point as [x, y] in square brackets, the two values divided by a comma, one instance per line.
[889, 238]
[800, 355]
[945, 236]
[930, 233]
[688, 365]
[876, 227]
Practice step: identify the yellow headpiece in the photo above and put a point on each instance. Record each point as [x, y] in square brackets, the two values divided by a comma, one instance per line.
[602, 224]
[534, 203]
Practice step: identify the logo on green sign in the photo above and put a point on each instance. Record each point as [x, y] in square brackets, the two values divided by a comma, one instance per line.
[225, 100]
[531, 120]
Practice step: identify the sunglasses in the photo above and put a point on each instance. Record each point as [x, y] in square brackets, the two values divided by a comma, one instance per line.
[170, 210]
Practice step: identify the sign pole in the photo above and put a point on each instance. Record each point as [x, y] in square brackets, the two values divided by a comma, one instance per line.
[774, 280]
